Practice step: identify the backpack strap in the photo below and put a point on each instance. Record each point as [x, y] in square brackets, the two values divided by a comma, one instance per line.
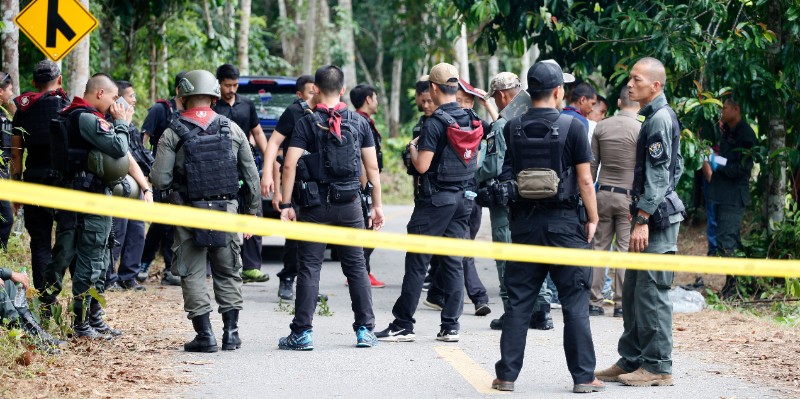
[183, 132]
[444, 117]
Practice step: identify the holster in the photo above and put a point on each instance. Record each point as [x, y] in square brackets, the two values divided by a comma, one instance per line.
[307, 194]
[672, 205]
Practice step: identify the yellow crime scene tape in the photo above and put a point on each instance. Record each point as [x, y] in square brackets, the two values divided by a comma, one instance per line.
[73, 200]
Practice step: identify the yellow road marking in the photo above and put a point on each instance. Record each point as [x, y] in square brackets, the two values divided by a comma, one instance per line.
[475, 375]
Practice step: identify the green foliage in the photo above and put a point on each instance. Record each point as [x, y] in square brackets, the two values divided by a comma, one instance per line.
[778, 242]
[323, 309]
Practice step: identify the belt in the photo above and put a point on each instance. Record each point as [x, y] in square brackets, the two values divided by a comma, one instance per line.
[226, 197]
[615, 190]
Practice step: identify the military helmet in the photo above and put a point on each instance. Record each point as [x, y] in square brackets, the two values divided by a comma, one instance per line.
[127, 187]
[199, 82]
[108, 169]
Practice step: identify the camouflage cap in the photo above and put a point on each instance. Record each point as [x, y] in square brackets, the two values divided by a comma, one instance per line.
[503, 81]
[444, 74]
[46, 71]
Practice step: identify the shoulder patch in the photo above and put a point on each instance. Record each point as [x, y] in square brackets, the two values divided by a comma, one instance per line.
[656, 150]
[103, 126]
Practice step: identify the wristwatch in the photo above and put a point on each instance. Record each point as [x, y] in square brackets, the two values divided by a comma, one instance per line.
[285, 206]
[146, 190]
[641, 219]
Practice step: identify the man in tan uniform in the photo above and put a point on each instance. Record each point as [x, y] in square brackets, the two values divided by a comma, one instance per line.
[614, 149]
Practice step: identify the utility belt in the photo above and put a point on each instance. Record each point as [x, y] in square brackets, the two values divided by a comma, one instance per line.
[427, 186]
[659, 220]
[309, 194]
[50, 177]
[89, 182]
[176, 197]
[615, 189]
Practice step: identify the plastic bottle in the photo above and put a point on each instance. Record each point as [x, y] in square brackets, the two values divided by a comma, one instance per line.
[20, 301]
[19, 223]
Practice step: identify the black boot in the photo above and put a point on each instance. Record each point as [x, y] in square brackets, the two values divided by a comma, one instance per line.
[205, 340]
[230, 330]
[96, 320]
[541, 319]
[497, 324]
[80, 323]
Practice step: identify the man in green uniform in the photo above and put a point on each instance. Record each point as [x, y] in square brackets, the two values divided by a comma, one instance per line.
[512, 101]
[17, 316]
[645, 347]
[200, 157]
[98, 141]
[729, 186]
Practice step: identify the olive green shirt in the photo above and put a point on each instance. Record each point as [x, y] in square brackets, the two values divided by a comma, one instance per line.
[493, 146]
[168, 163]
[110, 139]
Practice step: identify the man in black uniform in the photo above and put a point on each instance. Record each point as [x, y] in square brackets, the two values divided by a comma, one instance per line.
[6, 212]
[242, 111]
[271, 174]
[328, 192]
[32, 134]
[445, 156]
[159, 236]
[546, 172]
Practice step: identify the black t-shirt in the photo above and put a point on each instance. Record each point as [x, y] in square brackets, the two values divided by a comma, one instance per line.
[157, 120]
[287, 121]
[576, 148]
[242, 113]
[304, 135]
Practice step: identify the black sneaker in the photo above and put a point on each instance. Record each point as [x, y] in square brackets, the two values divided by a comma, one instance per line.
[618, 312]
[482, 309]
[114, 287]
[394, 334]
[286, 289]
[434, 303]
[132, 284]
[596, 310]
[447, 335]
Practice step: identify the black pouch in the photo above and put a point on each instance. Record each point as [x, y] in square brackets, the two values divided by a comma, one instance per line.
[485, 196]
[210, 238]
[303, 171]
[307, 194]
[659, 220]
[583, 217]
[344, 192]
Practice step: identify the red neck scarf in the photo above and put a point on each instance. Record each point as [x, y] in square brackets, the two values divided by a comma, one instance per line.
[78, 102]
[371, 122]
[334, 117]
[201, 116]
[26, 100]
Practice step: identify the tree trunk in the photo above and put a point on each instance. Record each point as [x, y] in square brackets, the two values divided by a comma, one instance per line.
[348, 44]
[242, 44]
[211, 33]
[494, 68]
[107, 36]
[310, 31]
[480, 76]
[153, 71]
[324, 29]
[528, 58]
[164, 64]
[462, 54]
[777, 123]
[287, 45]
[11, 42]
[230, 17]
[79, 64]
[397, 82]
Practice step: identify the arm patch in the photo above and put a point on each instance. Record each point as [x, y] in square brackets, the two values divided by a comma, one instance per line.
[656, 150]
[103, 126]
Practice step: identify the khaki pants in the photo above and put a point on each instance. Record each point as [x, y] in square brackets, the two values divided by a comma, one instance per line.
[614, 212]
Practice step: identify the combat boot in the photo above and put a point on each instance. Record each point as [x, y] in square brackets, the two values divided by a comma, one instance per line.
[541, 319]
[80, 323]
[644, 378]
[230, 330]
[96, 320]
[205, 340]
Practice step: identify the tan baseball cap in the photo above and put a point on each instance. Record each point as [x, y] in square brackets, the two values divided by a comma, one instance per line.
[503, 81]
[444, 74]
[424, 78]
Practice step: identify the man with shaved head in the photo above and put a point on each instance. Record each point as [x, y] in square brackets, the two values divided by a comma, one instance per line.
[93, 140]
[645, 347]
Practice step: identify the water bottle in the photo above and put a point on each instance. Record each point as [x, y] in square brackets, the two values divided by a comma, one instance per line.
[19, 223]
[20, 301]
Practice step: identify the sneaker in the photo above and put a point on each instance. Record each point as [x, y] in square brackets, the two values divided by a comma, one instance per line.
[589, 387]
[555, 303]
[297, 342]
[426, 286]
[447, 335]
[254, 276]
[394, 334]
[144, 272]
[618, 312]
[433, 303]
[170, 279]
[286, 289]
[501, 385]
[482, 309]
[596, 310]
[374, 283]
[365, 338]
[114, 287]
[132, 284]
[644, 378]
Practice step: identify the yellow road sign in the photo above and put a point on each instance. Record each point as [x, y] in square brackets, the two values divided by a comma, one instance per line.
[56, 26]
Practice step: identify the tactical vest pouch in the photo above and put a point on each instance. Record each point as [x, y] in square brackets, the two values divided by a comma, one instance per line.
[304, 168]
[344, 192]
[537, 183]
[672, 205]
[341, 156]
[307, 194]
[210, 238]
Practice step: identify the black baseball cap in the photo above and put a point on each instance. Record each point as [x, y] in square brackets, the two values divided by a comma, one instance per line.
[46, 71]
[547, 75]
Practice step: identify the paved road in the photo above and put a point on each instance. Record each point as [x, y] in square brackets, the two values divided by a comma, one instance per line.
[423, 369]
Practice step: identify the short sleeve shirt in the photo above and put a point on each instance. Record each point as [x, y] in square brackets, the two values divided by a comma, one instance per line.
[287, 121]
[242, 113]
[157, 120]
[304, 135]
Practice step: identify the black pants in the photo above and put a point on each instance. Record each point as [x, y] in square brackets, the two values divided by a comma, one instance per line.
[472, 282]
[159, 236]
[554, 228]
[39, 223]
[445, 214]
[290, 255]
[251, 247]
[130, 236]
[6, 222]
[311, 256]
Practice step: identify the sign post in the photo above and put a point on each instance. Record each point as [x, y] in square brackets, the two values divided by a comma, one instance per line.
[56, 26]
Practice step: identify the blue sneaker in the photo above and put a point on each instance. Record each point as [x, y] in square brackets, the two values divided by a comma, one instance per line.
[297, 342]
[365, 338]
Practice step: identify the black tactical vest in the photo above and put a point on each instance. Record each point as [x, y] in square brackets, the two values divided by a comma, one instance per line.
[641, 156]
[210, 164]
[457, 159]
[5, 138]
[142, 156]
[34, 123]
[544, 151]
[69, 152]
[303, 105]
[336, 160]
